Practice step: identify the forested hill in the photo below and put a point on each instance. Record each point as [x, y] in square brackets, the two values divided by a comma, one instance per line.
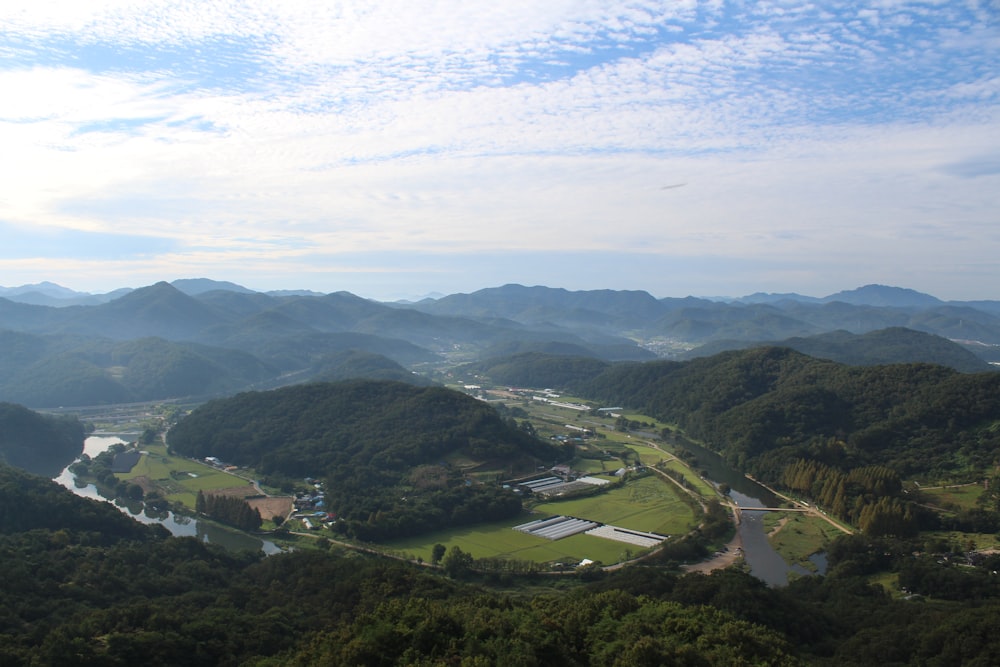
[537, 369]
[894, 345]
[85, 585]
[382, 446]
[353, 364]
[765, 406]
[320, 428]
[29, 502]
[38, 443]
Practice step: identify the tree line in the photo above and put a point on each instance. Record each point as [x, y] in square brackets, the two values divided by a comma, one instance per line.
[232, 510]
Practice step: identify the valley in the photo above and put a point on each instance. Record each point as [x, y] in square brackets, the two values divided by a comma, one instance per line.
[541, 470]
[668, 499]
[209, 339]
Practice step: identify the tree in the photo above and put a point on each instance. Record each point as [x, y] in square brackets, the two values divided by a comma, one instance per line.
[437, 553]
[456, 563]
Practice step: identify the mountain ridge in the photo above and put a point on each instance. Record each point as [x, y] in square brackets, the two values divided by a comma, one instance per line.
[870, 294]
[300, 335]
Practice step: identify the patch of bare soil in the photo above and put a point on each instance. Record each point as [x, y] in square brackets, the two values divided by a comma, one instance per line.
[781, 524]
[146, 483]
[732, 555]
[268, 506]
[272, 506]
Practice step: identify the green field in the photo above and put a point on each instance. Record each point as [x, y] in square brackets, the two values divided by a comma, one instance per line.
[961, 497]
[701, 487]
[963, 540]
[500, 540]
[653, 425]
[595, 466]
[889, 581]
[648, 455]
[800, 536]
[648, 504]
[180, 478]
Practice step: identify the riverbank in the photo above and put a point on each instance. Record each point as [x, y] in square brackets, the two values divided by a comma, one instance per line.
[731, 554]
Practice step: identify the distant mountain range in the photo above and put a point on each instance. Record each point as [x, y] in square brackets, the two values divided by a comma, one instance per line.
[50, 294]
[204, 337]
[869, 295]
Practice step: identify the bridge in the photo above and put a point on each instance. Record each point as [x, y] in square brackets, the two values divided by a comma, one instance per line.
[738, 511]
[774, 509]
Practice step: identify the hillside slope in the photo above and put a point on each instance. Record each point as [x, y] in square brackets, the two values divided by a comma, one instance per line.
[381, 446]
[40, 444]
[763, 406]
[895, 345]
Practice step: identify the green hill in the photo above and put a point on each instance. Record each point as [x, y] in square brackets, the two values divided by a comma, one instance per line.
[895, 345]
[38, 443]
[62, 371]
[31, 502]
[917, 418]
[536, 369]
[355, 364]
[383, 447]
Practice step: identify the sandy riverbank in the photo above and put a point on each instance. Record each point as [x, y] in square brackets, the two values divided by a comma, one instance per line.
[732, 555]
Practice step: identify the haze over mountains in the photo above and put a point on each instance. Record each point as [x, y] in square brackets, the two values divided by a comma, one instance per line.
[202, 337]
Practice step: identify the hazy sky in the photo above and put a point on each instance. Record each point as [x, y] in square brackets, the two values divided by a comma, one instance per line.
[397, 148]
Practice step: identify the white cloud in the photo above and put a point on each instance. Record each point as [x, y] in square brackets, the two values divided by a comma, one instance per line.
[308, 128]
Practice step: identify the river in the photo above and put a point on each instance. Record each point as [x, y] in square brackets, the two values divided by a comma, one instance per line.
[765, 563]
[177, 524]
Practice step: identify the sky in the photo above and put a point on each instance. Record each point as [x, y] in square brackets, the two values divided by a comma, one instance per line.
[396, 148]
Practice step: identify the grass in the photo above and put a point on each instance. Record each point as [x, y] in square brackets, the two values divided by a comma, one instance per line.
[648, 455]
[594, 466]
[962, 497]
[701, 486]
[800, 536]
[180, 479]
[653, 425]
[499, 540]
[889, 581]
[647, 504]
[962, 540]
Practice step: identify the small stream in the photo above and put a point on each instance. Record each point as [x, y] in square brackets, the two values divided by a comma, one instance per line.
[765, 563]
[177, 524]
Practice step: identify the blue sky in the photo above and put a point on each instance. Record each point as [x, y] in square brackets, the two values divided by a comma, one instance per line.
[393, 149]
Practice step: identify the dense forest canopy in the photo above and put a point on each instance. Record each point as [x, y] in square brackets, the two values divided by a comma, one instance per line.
[373, 441]
[355, 364]
[768, 404]
[29, 502]
[537, 369]
[85, 585]
[43, 444]
[843, 436]
[50, 371]
[893, 345]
